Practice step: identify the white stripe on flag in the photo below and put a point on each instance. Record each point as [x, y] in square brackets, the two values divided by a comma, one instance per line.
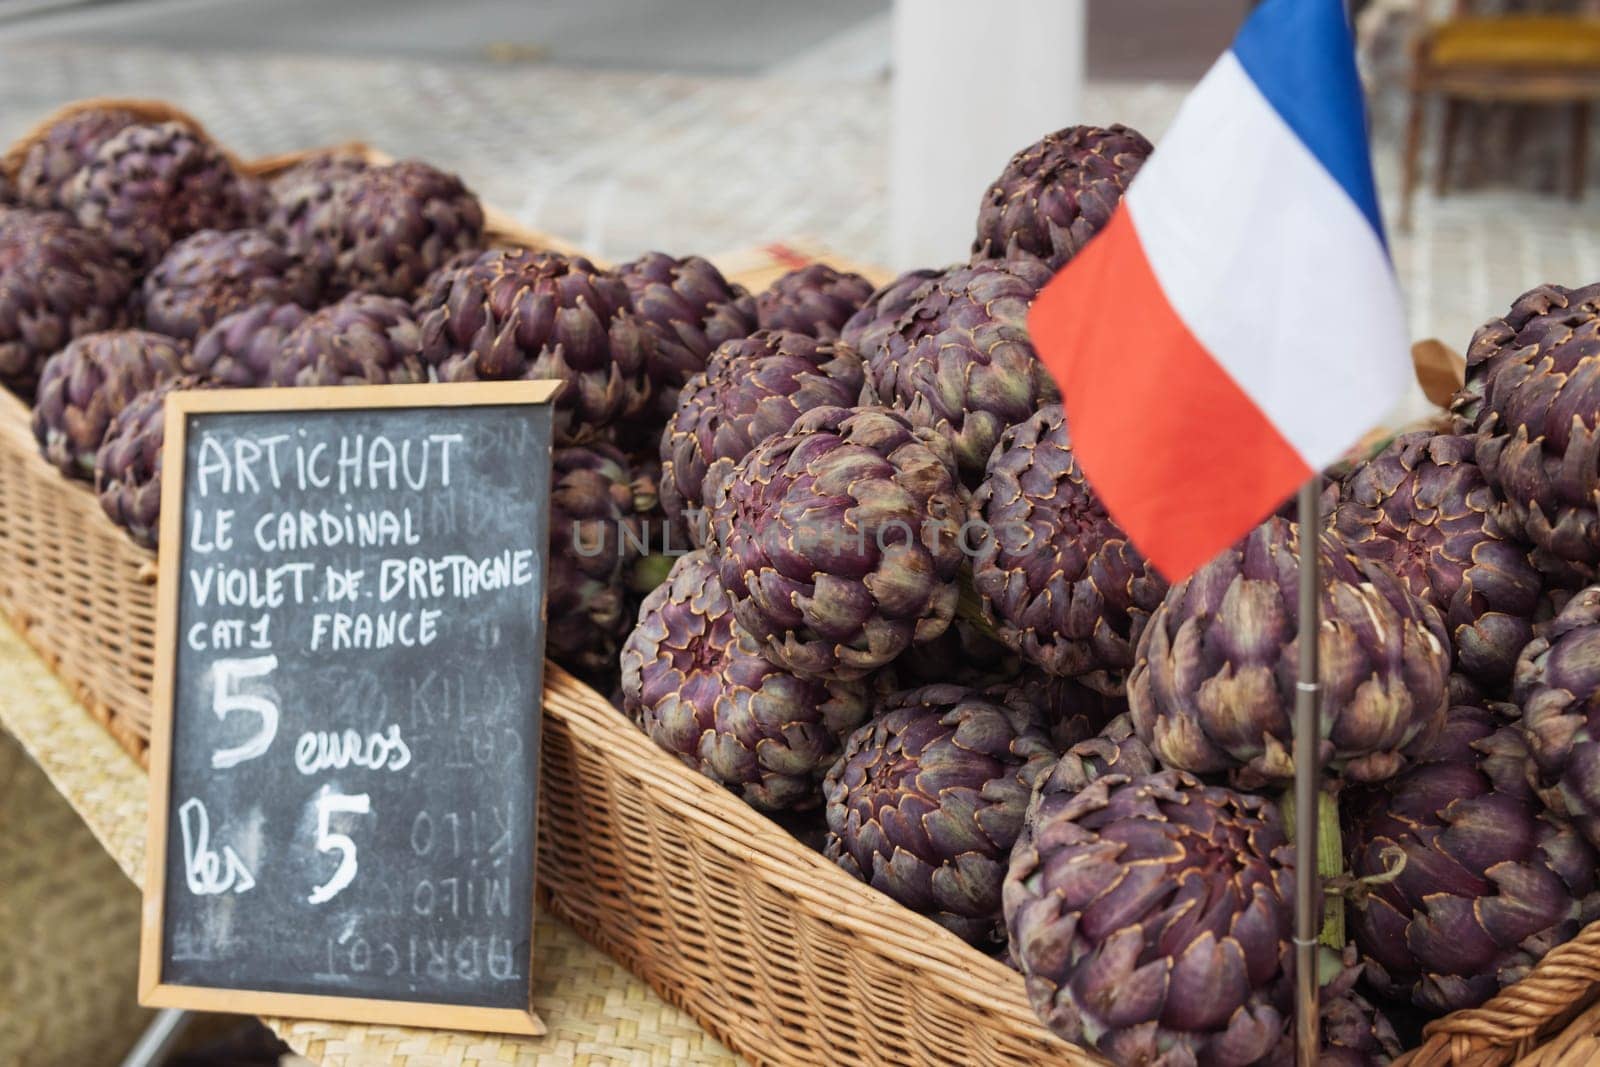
[1272, 267]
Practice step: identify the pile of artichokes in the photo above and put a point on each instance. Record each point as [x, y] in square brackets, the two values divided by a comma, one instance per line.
[829, 546]
[909, 612]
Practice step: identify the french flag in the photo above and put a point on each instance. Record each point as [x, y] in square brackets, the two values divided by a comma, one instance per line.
[1237, 325]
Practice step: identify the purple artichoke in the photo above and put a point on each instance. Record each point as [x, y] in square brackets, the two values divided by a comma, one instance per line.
[928, 798]
[1056, 194]
[1533, 397]
[298, 199]
[837, 541]
[380, 229]
[332, 164]
[1072, 712]
[1422, 507]
[127, 473]
[517, 314]
[1065, 586]
[57, 282]
[1116, 749]
[815, 300]
[84, 385]
[214, 273]
[753, 389]
[700, 687]
[686, 309]
[964, 654]
[240, 350]
[63, 149]
[1487, 882]
[1558, 689]
[593, 543]
[362, 340]
[1354, 1032]
[960, 361]
[151, 185]
[872, 323]
[1152, 919]
[1213, 685]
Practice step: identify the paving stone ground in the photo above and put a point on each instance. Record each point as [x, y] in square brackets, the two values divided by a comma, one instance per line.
[621, 162]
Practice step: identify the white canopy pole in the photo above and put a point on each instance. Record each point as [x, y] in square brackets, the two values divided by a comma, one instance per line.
[973, 83]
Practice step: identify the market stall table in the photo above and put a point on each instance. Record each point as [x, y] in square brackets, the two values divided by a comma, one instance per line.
[596, 1011]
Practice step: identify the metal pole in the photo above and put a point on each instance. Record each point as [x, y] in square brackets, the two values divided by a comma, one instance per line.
[1307, 768]
[159, 1038]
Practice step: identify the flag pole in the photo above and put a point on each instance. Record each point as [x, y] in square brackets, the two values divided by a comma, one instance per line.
[1307, 736]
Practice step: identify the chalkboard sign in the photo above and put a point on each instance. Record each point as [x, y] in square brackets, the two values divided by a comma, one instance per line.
[345, 752]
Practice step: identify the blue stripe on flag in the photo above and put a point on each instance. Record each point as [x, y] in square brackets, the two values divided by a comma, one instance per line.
[1301, 55]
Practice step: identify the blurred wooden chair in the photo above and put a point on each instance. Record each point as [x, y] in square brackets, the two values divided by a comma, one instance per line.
[1528, 59]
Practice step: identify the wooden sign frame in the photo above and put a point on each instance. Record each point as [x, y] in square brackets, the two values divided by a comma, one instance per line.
[153, 992]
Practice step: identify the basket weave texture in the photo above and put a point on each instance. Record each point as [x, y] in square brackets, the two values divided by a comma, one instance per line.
[69, 930]
[771, 947]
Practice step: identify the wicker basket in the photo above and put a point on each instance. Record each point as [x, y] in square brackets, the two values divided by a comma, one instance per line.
[772, 948]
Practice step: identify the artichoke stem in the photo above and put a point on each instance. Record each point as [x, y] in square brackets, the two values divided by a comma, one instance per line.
[650, 571]
[1330, 862]
[969, 606]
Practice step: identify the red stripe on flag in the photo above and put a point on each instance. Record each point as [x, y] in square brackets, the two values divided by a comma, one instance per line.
[1182, 458]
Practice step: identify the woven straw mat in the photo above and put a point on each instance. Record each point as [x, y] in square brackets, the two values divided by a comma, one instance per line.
[597, 1012]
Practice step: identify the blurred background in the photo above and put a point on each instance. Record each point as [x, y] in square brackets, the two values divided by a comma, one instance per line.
[709, 125]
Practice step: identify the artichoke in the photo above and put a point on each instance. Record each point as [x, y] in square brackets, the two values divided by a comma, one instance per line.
[1533, 397]
[150, 185]
[1116, 749]
[1558, 690]
[837, 541]
[872, 323]
[593, 543]
[686, 309]
[517, 314]
[364, 339]
[1072, 712]
[214, 273]
[382, 229]
[328, 165]
[1422, 507]
[815, 300]
[1474, 880]
[960, 361]
[64, 148]
[240, 350]
[1354, 1032]
[298, 198]
[127, 472]
[701, 689]
[57, 282]
[1213, 685]
[1058, 193]
[1152, 918]
[753, 389]
[964, 654]
[1066, 588]
[84, 385]
[928, 798]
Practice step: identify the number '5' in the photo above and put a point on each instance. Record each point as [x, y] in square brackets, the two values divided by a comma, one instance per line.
[329, 802]
[225, 674]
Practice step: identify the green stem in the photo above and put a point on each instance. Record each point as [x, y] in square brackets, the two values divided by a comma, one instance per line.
[969, 606]
[1330, 861]
[649, 572]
